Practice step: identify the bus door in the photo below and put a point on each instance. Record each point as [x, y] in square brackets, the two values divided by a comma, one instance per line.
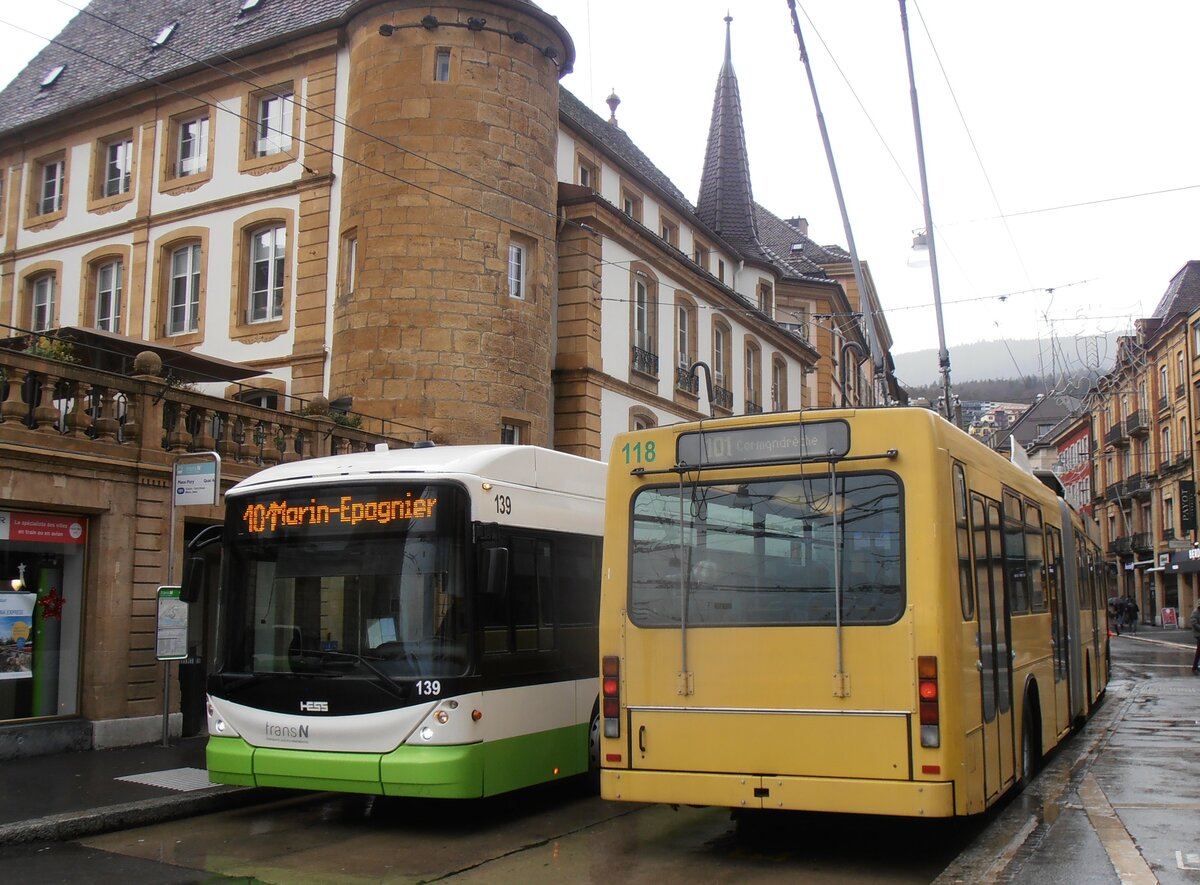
[1060, 635]
[995, 659]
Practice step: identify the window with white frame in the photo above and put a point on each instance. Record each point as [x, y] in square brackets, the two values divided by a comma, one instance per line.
[349, 259]
[720, 356]
[517, 269]
[778, 385]
[51, 182]
[510, 433]
[108, 296]
[1164, 455]
[118, 166]
[191, 146]
[268, 249]
[441, 65]
[273, 123]
[684, 344]
[41, 303]
[183, 307]
[641, 314]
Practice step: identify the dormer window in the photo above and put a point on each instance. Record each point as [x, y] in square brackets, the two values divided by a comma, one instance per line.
[52, 75]
[247, 5]
[164, 35]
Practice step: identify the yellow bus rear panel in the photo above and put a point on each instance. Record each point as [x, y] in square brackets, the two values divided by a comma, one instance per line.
[845, 795]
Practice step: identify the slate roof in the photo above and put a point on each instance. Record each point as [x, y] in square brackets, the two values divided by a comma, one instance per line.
[619, 144]
[1182, 295]
[107, 48]
[778, 238]
[726, 201]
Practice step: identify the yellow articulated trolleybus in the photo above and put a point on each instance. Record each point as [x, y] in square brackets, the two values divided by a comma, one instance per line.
[416, 622]
[861, 611]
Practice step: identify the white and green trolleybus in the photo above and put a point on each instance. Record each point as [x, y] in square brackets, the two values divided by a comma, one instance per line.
[414, 622]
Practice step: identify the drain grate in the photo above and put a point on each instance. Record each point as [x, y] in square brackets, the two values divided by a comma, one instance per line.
[182, 779]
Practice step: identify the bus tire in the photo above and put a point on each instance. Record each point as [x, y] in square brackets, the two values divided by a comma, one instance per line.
[1031, 750]
[594, 745]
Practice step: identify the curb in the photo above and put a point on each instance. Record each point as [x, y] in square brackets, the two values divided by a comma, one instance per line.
[92, 822]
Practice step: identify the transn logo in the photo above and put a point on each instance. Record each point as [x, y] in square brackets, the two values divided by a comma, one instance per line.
[314, 706]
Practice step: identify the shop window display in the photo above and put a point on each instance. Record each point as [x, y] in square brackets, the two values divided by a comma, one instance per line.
[41, 602]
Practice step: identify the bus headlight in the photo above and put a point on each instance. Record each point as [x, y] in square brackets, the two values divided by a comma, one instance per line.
[426, 733]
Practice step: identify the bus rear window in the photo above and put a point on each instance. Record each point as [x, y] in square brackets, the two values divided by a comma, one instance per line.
[767, 552]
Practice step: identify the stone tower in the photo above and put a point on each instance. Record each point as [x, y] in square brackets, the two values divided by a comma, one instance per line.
[451, 134]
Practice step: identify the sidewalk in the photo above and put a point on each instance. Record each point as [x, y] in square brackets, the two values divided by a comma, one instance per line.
[69, 795]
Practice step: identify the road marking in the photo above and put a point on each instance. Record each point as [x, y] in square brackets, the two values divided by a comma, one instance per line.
[181, 779]
[1131, 867]
[992, 874]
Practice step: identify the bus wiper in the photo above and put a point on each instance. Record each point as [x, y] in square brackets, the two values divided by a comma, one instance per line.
[364, 661]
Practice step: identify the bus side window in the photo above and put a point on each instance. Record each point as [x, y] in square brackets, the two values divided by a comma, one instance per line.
[966, 589]
[1016, 575]
[1035, 557]
[530, 590]
[493, 617]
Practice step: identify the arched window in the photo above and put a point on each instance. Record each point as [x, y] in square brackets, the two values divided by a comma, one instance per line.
[268, 251]
[722, 338]
[643, 297]
[753, 381]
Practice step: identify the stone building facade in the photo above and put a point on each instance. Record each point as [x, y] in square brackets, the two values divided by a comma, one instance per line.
[386, 204]
[1144, 412]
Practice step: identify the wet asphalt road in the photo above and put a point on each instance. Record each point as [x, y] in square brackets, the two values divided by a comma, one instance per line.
[1054, 832]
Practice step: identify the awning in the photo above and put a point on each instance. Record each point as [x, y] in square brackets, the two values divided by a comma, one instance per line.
[1184, 562]
[110, 352]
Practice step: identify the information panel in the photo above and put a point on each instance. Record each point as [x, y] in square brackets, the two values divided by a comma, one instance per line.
[818, 441]
[171, 629]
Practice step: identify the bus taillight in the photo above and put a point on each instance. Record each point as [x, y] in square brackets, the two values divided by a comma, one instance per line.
[610, 690]
[927, 701]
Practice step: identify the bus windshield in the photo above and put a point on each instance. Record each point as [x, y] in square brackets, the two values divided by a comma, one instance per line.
[346, 579]
[763, 552]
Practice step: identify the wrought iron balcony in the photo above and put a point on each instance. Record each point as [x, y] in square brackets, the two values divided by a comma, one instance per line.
[1122, 544]
[1115, 436]
[1113, 491]
[1179, 390]
[753, 408]
[1163, 402]
[1143, 541]
[722, 398]
[1136, 423]
[644, 361]
[686, 381]
[1136, 486]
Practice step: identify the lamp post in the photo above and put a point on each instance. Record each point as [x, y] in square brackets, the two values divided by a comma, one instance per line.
[943, 353]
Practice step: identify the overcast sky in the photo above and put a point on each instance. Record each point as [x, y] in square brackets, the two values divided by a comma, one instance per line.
[1028, 109]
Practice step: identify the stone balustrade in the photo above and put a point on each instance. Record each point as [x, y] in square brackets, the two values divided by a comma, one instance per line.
[68, 407]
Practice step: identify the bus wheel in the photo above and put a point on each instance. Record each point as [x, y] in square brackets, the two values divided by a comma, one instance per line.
[594, 744]
[1029, 748]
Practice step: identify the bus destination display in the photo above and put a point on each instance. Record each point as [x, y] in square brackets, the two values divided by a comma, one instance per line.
[818, 441]
[344, 511]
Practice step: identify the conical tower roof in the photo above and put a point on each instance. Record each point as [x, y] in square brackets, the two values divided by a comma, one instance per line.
[726, 201]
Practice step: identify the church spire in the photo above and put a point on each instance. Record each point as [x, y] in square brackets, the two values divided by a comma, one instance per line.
[726, 202]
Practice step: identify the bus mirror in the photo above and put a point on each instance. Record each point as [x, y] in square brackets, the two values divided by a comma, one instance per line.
[495, 579]
[193, 579]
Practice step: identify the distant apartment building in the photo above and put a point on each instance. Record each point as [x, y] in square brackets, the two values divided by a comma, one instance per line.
[1144, 412]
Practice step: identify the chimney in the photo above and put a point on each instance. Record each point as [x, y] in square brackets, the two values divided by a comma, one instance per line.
[800, 225]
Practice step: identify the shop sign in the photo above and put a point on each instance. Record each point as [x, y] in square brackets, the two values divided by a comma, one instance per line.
[42, 527]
